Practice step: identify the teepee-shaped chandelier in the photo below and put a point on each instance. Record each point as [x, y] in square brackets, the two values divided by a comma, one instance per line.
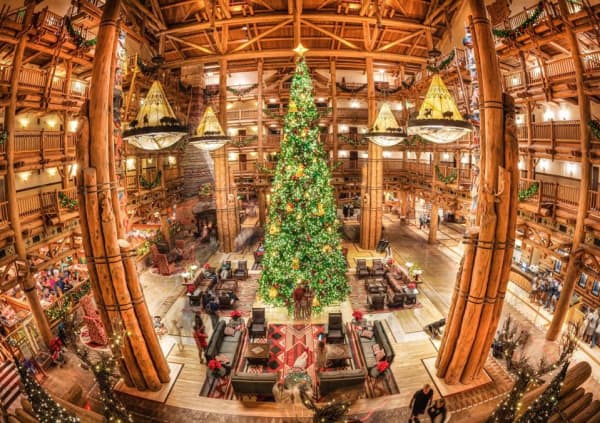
[209, 134]
[386, 132]
[439, 120]
[155, 126]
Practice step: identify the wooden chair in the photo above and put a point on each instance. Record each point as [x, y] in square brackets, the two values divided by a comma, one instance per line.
[241, 272]
[378, 269]
[361, 268]
[257, 324]
[155, 254]
[334, 331]
[376, 301]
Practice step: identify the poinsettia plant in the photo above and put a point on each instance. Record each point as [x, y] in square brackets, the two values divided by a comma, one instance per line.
[206, 266]
[358, 315]
[215, 365]
[382, 366]
[235, 314]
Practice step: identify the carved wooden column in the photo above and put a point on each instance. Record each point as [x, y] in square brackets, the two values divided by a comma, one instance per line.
[262, 209]
[227, 216]
[371, 212]
[483, 275]
[434, 216]
[29, 286]
[111, 262]
[528, 123]
[334, 119]
[562, 307]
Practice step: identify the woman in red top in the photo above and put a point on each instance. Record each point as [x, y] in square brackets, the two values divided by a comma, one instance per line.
[200, 337]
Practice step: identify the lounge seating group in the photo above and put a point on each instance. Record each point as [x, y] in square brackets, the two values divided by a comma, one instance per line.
[221, 344]
[369, 337]
[337, 379]
[257, 325]
[246, 383]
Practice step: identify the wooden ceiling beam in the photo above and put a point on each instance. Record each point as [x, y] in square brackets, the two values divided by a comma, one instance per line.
[157, 11]
[330, 34]
[178, 4]
[177, 49]
[276, 17]
[148, 14]
[188, 43]
[400, 40]
[224, 4]
[263, 34]
[274, 53]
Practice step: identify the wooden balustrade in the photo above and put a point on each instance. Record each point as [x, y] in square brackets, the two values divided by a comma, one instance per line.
[34, 142]
[567, 195]
[66, 199]
[237, 115]
[4, 221]
[131, 181]
[594, 202]
[32, 78]
[517, 19]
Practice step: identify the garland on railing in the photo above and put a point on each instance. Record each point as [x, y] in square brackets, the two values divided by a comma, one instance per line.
[530, 21]
[593, 125]
[445, 179]
[243, 142]
[526, 194]
[183, 87]
[388, 91]
[413, 140]
[342, 86]
[151, 184]
[272, 114]
[59, 309]
[409, 85]
[145, 69]
[66, 201]
[264, 169]
[206, 189]
[3, 137]
[355, 141]
[79, 40]
[443, 65]
[242, 91]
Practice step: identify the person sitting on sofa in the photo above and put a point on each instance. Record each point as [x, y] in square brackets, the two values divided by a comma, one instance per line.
[226, 270]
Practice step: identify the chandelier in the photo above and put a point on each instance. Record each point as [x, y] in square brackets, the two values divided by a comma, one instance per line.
[209, 134]
[155, 126]
[439, 120]
[386, 132]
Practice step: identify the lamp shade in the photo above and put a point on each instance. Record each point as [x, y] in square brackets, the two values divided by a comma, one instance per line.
[155, 126]
[439, 120]
[386, 132]
[209, 135]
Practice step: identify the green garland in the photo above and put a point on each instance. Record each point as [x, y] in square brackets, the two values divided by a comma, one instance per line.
[151, 184]
[206, 189]
[3, 137]
[58, 311]
[526, 194]
[408, 85]
[243, 142]
[445, 179]
[242, 91]
[264, 169]
[272, 114]
[413, 140]
[67, 202]
[79, 40]
[444, 64]
[355, 141]
[145, 69]
[346, 89]
[514, 33]
[388, 91]
[595, 128]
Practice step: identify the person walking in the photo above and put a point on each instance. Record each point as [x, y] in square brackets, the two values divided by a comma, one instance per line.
[591, 326]
[419, 403]
[437, 412]
[596, 334]
[200, 337]
[298, 295]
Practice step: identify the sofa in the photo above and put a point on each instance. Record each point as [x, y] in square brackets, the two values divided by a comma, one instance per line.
[334, 380]
[397, 279]
[245, 383]
[379, 337]
[221, 344]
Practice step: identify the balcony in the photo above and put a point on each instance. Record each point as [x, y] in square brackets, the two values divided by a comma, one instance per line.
[554, 138]
[58, 205]
[33, 148]
[4, 220]
[37, 81]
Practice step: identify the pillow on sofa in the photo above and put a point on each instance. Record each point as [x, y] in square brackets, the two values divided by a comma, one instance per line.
[376, 348]
[380, 355]
[229, 331]
[367, 334]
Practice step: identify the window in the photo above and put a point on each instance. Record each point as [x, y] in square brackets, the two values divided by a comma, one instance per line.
[583, 280]
[596, 288]
[557, 266]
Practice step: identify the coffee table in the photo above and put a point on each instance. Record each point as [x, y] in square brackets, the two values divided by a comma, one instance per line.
[258, 353]
[336, 354]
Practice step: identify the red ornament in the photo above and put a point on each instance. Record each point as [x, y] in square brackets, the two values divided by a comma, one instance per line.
[321, 281]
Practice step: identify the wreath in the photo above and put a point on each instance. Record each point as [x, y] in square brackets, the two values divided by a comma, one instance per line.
[526, 194]
[66, 201]
[242, 91]
[243, 142]
[593, 125]
[79, 40]
[342, 86]
[151, 184]
[444, 64]
[445, 179]
[530, 21]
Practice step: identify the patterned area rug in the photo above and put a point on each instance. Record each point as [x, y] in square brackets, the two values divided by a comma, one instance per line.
[358, 298]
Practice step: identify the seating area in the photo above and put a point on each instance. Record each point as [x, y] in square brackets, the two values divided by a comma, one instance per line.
[225, 344]
[257, 326]
[334, 330]
[375, 345]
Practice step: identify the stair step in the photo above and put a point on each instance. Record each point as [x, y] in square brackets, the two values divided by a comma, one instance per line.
[6, 389]
[12, 396]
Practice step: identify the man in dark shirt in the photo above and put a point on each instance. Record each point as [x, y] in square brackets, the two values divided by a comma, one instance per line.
[419, 402]
[298, 295]
[437, 412]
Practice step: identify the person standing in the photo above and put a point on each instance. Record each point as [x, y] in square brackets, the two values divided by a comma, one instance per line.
[200, 337]
[298, 295]
[591, 327]
[419, 402]
[596, 333]
[437, 412]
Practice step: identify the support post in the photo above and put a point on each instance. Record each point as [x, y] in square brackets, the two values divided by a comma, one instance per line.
[483, 275]
[111, 263]
[28, 283]
[334, 112]
[434, 216]
[562, 307]
[372, 205]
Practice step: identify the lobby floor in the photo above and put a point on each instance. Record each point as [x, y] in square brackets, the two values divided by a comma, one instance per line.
[411, 344]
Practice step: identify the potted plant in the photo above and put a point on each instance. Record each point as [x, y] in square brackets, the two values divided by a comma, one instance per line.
[216, 368]
[358, 316]
[235, 315]
[380, 369]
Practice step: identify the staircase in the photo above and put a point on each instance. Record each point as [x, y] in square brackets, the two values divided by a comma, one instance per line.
[9, 384]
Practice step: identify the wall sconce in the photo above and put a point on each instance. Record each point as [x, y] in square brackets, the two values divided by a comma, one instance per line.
[548, 115]
[25, 175]
[73, 125]
[272, 100]
[51, 171]
[320, 100]
[445, 157]
[399, 107]
[519, 119]
[73, 171]
[521, 164]
[77, 86]
[130, 163]
[564, 114]
[364, 155]
[172, 160]
[232, 156]
[571, 169]
[343, 128]
[24, 122]
[544, 165]
[232, 132]
[150, 160]
[51, 123]
[355, 104]
[387, 154]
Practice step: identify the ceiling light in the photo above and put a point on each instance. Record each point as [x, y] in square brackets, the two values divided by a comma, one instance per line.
[386, 132]
[209, 134]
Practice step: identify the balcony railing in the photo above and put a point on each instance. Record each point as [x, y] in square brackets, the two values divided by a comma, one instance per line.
[553, 137]
[48, 203]
[37, 79]
[4, 221]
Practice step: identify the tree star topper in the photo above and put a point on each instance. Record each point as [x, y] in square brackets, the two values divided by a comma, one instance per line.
[300, 50]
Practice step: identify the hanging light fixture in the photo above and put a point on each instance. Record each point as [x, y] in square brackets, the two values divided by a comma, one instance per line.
[386, 132]
[209, 134]
[439, 120]
[155, 126]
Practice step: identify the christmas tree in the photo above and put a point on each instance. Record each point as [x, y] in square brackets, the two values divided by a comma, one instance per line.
[302, 240]
[546, 404]
[45, 408]
[506, 411]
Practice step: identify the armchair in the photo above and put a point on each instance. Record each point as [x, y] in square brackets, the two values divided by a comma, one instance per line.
[257, 324]
[226, 300]
[225, 270]
[164, 268]
[241, 272]
[156, 255]
[376, 301]
[361, 268]
[378, 269]
[334, 330]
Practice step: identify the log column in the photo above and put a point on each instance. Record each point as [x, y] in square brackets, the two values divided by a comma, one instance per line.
[334, 119]
[483, 274]
[227, 215]
[562, 307]
[528, 122]
[262, 208]
[111, 262]
[434, 216]
[29, 286]
[372, 203]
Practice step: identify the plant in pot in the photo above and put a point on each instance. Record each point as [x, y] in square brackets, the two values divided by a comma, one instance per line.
[235, 315]
[216, 368]
[358, 316]
[380, 369]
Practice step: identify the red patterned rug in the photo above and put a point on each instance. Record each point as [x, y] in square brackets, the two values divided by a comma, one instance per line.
[358, 298]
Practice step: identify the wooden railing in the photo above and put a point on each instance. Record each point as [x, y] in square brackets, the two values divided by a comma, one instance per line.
[517, 19]
[236, 115]
[36, 205]
[4, 221]
[67, 200]
[42, 142]
[33, 78]
[553, 137]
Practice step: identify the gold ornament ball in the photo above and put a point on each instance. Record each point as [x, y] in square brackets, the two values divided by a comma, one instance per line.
[273, 292]
[315, 302]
